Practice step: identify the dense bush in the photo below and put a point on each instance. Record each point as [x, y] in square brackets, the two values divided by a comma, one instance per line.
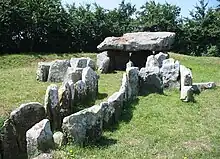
[47, 26]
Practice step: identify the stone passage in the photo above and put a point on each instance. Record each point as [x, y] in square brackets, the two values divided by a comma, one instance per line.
[134, 47]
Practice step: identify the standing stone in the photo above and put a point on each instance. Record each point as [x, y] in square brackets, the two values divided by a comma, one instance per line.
[170, 71]
[65, 98]
[150, 82]
[161, 57]
[80, 92]
[152, 65]
[74, 74]
[72, 90]
[91, 64]
[84, 126]
[133, 81]
[129, 64]
[43, 71]
[9, 145]
[82, 63]
[125, 88]
[59, 139]
[52, 106]
[103, 62]
[91, 80]
[57, 70]
[23, 119]
[115, 102]
[39, 138]
[185, 76]
[186, 94]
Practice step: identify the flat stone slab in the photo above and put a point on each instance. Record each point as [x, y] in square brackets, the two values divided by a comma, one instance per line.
[139, 41]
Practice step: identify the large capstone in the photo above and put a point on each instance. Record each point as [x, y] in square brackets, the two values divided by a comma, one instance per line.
[74, 74]
[103, 62]
[23, 119]
[139, 41]
[9, 144]
[170, 72]
[82, 63]
[39, 138]
[52, 106]
[57, 70]
[90, 78]
[84, 126]
[43, 71]
[150, 82]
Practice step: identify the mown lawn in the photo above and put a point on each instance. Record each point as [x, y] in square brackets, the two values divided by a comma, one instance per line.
[155, 126]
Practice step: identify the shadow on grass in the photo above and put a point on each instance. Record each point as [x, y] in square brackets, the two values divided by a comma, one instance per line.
[102, 96]
[103, 142]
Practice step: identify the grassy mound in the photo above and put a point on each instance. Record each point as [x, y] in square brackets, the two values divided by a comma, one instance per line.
[155, 126]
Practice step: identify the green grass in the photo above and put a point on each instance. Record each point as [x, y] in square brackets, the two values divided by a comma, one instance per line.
[155, 126]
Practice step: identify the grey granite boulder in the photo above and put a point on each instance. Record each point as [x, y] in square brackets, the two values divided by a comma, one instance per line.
[170, 71]
[52, 106]
[23, 119]
[57, 70]
[84, 126]
[152, 65]
[103, 62]
[199, 87]
[125, 88]
[59, 139]
[133, 81]
[9, 144]
[74, 74]
[150, 82]
[39, 138]
[161, 57]
[139, 41]
[186, 94]
[129, 64]
[43, 71]
[80, 90]
[90, 78]
[82, 62]
[185, 76]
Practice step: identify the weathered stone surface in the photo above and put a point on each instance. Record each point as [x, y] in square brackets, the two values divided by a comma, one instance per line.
[24, 118]
[152, 65]
[103, 62]
[74, 74]
[39, 138]
[133, 81]
[59, 139]
[185, 76]
[90, 78]
[9, 141]
[115, 102]
[161, 57]
[198, 87]
[44, 156]
[80, 91]
[57, 70]
[170, 73]
[150, 82]
[125, 88]
[154, 41]
[129, 64]
[72, 90]
[43, 71]
[65, 97]
[82, 62]
[186, 94]
[52, 106]
[84, 126]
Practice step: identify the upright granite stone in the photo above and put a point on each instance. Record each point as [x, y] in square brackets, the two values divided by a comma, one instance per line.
[73, 74]
[185, 76]
[133, 81]
[115, 102]
[150, 82]
[43, 71]
[186, 94]
[103, 62]
[170, 73]
[52, 106]
[82, 62]
[84, 126]
[57, 70]
[65, 99]
[139, 41]
[80, 90]
[152, 65]
[129, 64]
[39, 138]
[125, 88]
[90, 78]
[9, 144]
[23, 118]
[161, 57]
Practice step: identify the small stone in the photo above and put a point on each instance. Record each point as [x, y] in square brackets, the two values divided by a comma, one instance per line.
[59, 139]
[39, 138]
[44, 156]
[199, 87]
[186, 94]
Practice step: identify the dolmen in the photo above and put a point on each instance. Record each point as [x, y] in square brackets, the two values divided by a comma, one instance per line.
[116, 52]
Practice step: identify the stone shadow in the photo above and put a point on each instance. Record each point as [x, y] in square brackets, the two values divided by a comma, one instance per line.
[103, 142]
[102, 96]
